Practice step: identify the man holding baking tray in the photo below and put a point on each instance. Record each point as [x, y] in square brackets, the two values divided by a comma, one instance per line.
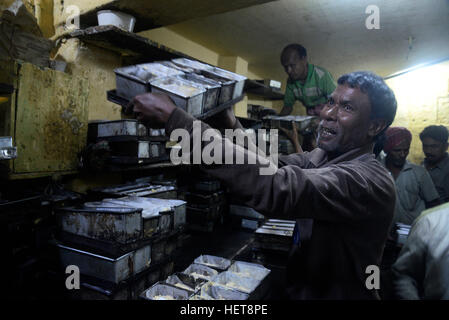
[349, 195]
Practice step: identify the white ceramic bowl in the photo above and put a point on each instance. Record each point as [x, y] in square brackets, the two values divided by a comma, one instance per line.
[116, 18]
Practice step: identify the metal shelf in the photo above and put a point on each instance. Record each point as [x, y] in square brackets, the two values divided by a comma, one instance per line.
[155, 14]
[220, 108]
[126, 43]
[159, 165]
[259, 89]
[113, 97]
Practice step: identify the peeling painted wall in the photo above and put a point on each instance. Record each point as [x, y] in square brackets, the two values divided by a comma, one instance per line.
[97, 66]
[44, 15]
[423, 100]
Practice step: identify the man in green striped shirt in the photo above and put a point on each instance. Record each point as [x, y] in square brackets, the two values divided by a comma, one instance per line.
[307, 83]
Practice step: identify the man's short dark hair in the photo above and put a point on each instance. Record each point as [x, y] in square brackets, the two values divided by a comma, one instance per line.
[382, 99]
[302, 52]
[438, 133]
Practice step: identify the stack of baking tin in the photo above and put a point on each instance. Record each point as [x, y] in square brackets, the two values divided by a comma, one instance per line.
[213, 278]
[193, 86]
[129, 141]
[273, 241]
[120, 244]
[206, 203]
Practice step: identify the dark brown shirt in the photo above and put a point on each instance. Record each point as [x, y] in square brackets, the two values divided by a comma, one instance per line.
[351, 200]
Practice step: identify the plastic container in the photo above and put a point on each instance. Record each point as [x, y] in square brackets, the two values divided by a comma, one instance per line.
[116, 18]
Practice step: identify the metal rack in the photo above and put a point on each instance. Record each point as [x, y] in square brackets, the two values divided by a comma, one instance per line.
[259, 89]
[113, 97]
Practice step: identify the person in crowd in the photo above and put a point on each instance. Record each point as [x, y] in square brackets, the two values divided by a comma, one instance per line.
[422, 268]
[435, 144]
[414, 187]
[414, 193]
[307, 83]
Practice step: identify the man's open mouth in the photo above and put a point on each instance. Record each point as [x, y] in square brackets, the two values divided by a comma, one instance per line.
[326, 132]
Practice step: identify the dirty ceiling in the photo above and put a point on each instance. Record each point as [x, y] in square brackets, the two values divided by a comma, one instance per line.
[334, 33]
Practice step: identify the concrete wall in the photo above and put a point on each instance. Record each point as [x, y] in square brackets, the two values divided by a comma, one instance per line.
[423, 100]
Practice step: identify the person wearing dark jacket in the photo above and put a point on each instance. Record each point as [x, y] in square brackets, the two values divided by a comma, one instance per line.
[349, 195]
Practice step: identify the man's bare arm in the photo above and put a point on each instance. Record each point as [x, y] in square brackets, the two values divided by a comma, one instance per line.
[286, 111]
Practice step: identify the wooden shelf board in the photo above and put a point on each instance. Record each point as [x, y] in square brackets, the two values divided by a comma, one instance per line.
[154, 14]
[113, 97]
[126, 43]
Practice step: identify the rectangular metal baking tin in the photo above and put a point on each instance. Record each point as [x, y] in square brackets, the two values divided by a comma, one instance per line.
[192, 102]
[134, 80]
[116, 128]
[109, 269]
[119, 224]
